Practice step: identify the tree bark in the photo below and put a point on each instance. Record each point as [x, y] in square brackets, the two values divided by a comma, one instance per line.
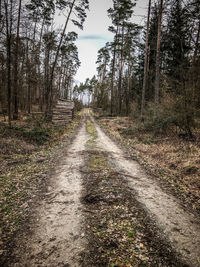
[157, 77]
[112, 81]
[40, 89]
[16, 79]
[196, 45]
[128, 90]
[120, 75]
[8, 46]
[145, 63]
[113, 74]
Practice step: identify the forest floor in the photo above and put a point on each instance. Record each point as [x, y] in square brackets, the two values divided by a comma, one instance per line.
[172, 160]
[27, 151]
[96, 206]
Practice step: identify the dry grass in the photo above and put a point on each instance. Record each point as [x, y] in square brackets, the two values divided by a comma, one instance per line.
[26, 154]
[173, 160]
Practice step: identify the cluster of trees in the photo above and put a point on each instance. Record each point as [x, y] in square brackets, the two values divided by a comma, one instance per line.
[152, 72]
[37, 61]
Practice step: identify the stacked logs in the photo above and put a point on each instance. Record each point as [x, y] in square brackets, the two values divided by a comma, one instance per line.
[63, 112]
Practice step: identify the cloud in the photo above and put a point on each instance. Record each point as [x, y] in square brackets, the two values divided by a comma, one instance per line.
[91, 37]
[88, 66]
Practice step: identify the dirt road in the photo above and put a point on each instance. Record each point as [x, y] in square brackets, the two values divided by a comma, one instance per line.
[57, 228]
[56, 237]
[180, 227]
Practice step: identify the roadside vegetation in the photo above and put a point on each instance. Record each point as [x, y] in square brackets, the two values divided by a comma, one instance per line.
[171, 158]
[27, 153]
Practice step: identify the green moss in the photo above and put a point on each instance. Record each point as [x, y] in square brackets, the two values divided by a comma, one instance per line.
[131, 233]
[91, 130]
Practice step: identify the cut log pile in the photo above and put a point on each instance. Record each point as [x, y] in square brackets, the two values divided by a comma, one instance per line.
[62, 112]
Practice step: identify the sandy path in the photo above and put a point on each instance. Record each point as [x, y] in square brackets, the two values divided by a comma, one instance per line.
[57, 230]
[57, 237]
[179, 226]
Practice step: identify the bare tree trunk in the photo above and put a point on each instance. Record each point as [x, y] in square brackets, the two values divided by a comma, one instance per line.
[120, 74]
[28, 78]
[49, 104]
[40, 89]
[193, 70]
[8, 46]
[196, 45]
[60, 76]
[112, 81]
[2, 22]
[113, 75]
[128, 89]
[16, 79]
[145, 62]
[157, 77]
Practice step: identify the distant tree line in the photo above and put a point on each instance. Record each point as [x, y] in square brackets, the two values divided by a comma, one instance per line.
[37, 61]
[152, 72]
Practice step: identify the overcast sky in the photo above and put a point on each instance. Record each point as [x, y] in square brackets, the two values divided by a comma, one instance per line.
[95, 34]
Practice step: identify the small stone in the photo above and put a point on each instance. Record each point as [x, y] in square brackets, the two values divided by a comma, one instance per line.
[141, 245]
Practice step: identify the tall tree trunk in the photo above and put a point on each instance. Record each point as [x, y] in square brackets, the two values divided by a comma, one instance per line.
[60, 77]
[120, 74]
[1, 21]
[113, 73]
[194, 68]
[49, 104]
[40, 88]
[28, 78]
[196, 45]
[112, 81]
[8, 47]
[16, 78]
[128, 89]
[145, 62]
[157, 77]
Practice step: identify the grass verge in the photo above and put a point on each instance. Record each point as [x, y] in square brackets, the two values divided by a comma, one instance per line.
[24, 161]
[173, 161]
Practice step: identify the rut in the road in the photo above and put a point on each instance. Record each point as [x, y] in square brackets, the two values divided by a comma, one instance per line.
[179, 227]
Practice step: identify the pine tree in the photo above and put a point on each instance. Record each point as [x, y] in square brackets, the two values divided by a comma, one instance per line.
[120, 14]
[177, 45]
